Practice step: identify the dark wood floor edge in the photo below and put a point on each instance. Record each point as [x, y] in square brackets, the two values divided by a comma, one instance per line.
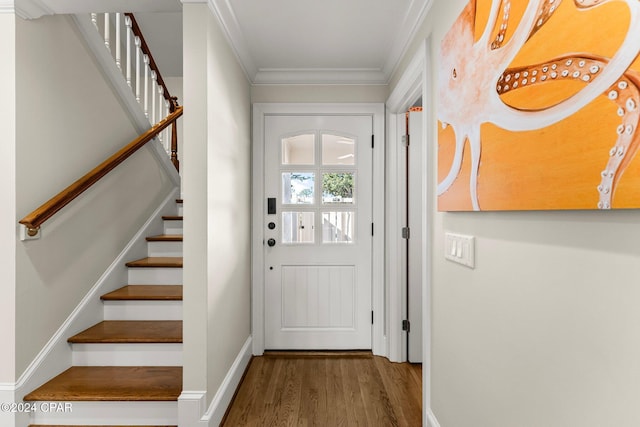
[311, 354]
[235, 393]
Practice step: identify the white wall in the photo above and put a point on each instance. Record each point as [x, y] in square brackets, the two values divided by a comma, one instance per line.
[68, 121]
[544, 330]
[216, 188]
[8, 194]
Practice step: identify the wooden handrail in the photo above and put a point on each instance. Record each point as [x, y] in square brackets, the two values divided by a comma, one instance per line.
[152, 63]
[35, 219]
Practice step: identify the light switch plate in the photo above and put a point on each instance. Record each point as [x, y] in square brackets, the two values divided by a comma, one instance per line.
[460, 248]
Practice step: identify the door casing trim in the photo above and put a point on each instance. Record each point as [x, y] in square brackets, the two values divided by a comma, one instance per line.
[260, 111]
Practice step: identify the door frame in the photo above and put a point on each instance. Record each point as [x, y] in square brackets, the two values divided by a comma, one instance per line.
[415, 82]
[260, 111]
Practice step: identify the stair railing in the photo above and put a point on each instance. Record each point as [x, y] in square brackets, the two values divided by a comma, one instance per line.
[35, 219]
[161, 109]
[128, 48]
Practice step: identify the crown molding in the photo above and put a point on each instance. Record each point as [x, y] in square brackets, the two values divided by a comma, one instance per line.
[410, 26]
[32, 9]
[333, 76]
[231, 28]
[7, 6]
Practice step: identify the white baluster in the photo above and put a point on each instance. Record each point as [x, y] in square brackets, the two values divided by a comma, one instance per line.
[166, 130]
[94, 21]
[118, 47]
[154, 83]
[127, 23]
[107, 32]
[146, 85]
[160, 91]
[138, 75]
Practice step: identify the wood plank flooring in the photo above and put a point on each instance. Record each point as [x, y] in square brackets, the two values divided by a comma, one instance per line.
[327, 389]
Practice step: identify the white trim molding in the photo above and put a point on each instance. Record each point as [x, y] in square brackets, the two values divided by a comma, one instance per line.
[7, 6]
[432, 421]
[410, 26]
[223, 11]
[338, 76]
[376, 111]
[191, 404]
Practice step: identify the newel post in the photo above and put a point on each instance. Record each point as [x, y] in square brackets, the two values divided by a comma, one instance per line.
[174, 136]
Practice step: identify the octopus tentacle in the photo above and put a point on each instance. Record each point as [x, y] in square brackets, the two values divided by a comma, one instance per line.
[493, 17]
[505, 6]
[625, 93]
[514, 119]
[544, 14]
[476, 150]
[456, 165]
[568, 67]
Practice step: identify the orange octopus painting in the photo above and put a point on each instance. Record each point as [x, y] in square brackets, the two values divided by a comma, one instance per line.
[539, 105]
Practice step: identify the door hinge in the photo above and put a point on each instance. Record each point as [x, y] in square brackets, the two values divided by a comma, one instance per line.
[406, 325]
[372, 229]
[372, 138]
[372, 317]
[406, 140]
[406, 233]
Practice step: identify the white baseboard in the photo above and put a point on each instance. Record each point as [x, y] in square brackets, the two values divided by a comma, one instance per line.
[56, 356]
[431, 419]
[191, 404]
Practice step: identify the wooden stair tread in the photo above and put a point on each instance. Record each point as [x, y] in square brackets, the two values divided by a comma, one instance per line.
[179, 200]
[165, 238]
[172, 217]
[145, 293]
[170, 262]
[131, 331]
[112, 383]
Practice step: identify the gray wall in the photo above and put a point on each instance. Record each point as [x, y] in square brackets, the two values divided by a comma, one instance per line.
[67, 122]
[217, 192]
[544, 330]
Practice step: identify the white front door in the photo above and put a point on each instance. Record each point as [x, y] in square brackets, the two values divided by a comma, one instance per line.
[318, 232]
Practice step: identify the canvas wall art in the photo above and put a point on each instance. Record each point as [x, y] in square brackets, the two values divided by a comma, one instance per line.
[538, 106]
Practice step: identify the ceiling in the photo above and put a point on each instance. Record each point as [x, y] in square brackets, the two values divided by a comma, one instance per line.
[284, 41]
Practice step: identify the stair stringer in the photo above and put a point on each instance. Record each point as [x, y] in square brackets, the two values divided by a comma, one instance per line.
[113, 76]
[57, 355]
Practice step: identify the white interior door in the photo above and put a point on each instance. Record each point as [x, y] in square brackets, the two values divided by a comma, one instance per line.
[318, 232]
[414, 243]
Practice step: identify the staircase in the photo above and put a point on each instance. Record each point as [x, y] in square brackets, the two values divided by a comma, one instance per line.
[127, 369]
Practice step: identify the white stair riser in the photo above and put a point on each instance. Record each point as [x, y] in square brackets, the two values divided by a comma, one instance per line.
[159, 354]
[142, 310]
[180, 209]
[164, 248]
[106, 413]
[173, 227]
[155, 276]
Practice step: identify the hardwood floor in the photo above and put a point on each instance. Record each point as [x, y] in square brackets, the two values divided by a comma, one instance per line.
[327, 389]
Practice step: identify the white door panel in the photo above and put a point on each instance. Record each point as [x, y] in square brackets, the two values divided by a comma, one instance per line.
[318, 249]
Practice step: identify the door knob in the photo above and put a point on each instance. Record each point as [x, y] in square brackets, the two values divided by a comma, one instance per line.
[271, 242]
